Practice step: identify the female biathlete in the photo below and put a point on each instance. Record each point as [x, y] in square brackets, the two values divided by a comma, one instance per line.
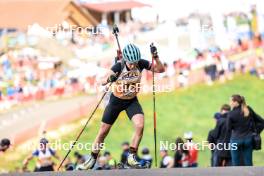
[126, 77]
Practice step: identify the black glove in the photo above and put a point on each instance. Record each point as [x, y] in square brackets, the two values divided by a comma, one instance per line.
[112, 78]
[153, 50]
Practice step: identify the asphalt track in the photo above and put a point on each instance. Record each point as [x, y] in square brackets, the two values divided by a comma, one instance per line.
[227, 171]
[29, 119]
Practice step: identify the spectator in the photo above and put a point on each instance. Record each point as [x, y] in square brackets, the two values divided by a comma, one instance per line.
[69, 166]
[146, 158]
[179, 152]
[186, 160]
[44, 155]
[166, 160]
[110, 160]
[183, 78]
[239, 124]
[222, 156]
[79, 158]
[212, 141]
[124, 155]
[102, 164]
[193, 151]
[222, 67]
[4, 145]
[211, 68]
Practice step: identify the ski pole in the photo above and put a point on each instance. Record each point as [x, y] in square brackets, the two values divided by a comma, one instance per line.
[115, 32]
[154, 106]
[79, 135]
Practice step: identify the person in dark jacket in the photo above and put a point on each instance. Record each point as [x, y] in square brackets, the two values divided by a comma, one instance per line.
[211, 140]
[178, 152]
[239, 124]
[124, 155]
[222, 156]
[146, 158]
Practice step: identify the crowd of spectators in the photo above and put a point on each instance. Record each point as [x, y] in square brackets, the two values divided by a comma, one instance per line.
[233, 140]
[26, 74]
[182, 158]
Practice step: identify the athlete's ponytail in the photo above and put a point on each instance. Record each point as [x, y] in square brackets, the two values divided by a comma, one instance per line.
[244, 107]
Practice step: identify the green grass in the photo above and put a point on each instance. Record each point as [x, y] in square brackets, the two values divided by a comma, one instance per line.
[177, 112]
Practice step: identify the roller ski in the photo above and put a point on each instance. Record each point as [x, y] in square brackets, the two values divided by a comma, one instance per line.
[88, 164]
[132, 163]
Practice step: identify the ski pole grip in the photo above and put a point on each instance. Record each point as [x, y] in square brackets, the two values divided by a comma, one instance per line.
[115, 29]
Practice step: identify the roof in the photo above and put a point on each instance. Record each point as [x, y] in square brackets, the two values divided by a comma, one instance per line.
[113, 6]
[21, 13]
